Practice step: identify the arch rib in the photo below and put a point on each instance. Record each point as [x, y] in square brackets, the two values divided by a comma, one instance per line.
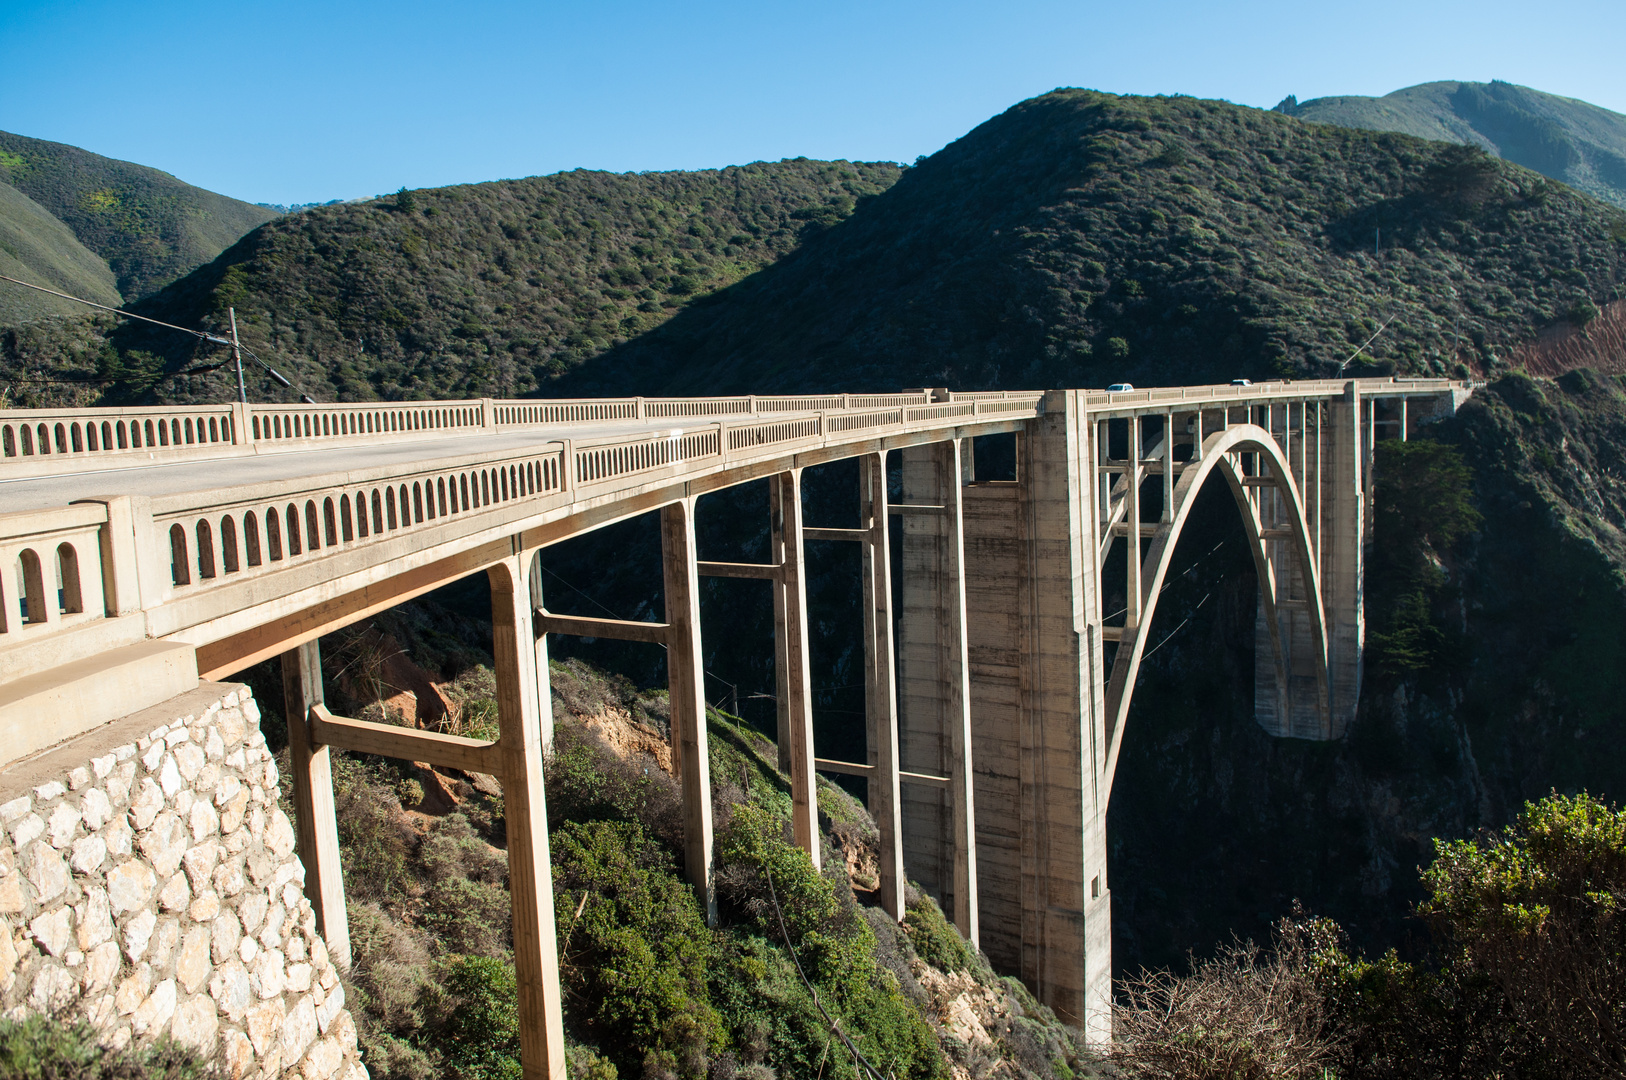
[1219, 451]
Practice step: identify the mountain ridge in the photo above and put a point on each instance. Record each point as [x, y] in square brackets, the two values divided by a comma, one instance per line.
[1564, 138]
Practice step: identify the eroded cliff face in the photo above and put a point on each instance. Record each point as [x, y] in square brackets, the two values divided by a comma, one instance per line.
[1217, 828]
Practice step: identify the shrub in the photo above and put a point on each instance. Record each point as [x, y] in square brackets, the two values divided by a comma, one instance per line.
[1536, 909]
[40, 1048]
[1243, 1015]
[935, 941]
[481, 1036]
[634, 945]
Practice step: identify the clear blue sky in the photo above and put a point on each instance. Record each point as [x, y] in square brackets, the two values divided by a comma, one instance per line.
[301, 101]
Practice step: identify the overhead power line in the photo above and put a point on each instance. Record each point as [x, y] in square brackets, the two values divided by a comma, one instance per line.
[237, 347]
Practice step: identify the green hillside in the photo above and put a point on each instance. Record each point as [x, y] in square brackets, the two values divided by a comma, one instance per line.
[35, 246]
[1080, 239]
[150, 227]
[1560, 137]
[496, 288]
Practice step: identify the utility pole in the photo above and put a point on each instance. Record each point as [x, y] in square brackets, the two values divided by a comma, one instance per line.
[237, 353]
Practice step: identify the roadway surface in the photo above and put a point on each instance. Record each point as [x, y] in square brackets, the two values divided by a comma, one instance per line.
[274, 463]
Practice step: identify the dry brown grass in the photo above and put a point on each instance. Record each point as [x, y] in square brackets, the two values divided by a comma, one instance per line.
[1245, 1014]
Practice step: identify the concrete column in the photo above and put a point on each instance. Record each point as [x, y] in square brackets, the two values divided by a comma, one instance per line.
[939, 822]
[685, 675]
[790, 627]
[315, 822]
[781, 646]
[544, 687]
[525, 815]
[1038, 719]
[1343, 519]
[880, 681]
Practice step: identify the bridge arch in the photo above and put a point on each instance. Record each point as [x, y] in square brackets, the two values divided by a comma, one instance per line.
[1221, 451]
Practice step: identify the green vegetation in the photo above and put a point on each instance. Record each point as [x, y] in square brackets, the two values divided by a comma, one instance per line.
[1563, 138]
[1080, 239]
[492, 288]
[650, 989]
[40, 1048]
[35, 246]
[1424, 507]
[1527, 977]
[149, 227]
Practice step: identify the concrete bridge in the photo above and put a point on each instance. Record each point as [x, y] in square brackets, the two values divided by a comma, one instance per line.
[151, 548]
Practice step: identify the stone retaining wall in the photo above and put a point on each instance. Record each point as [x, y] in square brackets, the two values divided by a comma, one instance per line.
[148, 883]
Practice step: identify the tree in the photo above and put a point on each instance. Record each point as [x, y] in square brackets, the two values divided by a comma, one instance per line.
[1537, 908]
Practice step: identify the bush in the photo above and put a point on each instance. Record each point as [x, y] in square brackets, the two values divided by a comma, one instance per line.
[1243, 1015]
[40, 1048]
[634, 945]
[1536, 909]
[481, 1037]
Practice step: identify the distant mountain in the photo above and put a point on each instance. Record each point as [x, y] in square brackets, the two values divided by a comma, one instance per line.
[149, 227]
[1560, 137]
[1080, 239]
[35, 246]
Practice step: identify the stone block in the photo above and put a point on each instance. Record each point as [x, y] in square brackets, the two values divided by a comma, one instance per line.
[54, 988]
[189, 760]
[95, 919]
[164, 844]
[204, 907]
[26, 830]
[88, 854]
[63, 825]
[153, 1014]
[101, 965]
[53, 930]
[204, 820]
[265, 1022]
[299, 1030]
[46, 871]
[323, 1060]
[224, 934]
[95, 809]
[192, 962]
[166, 939]
[175, 895]
[15, 809]
[78, 778]
[231, 989]
[237, 1054]
[196, 1024]
[149, 800]
[138, 934]
[130, 885]
[121, 838]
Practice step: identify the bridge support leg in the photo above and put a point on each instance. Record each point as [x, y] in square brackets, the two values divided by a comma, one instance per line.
[880, 680]
[939, 821]
[685, 676]
[315, 821]
[1039, 720]
[790, 645]
[525, 813]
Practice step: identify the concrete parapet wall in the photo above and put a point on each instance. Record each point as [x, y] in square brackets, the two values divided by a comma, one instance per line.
[149, 885]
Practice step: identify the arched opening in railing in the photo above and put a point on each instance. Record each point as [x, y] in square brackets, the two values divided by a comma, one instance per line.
[180, 570]
[389, 506]
[61, 439]
[378, 513]
[228, 545]
[69, 596]
[251, 539]
[31, 581]
[313, 529]
[10, 441]
[273, 534]
[292, 514]
[330, 522]
[347, 530]
[206, 550]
